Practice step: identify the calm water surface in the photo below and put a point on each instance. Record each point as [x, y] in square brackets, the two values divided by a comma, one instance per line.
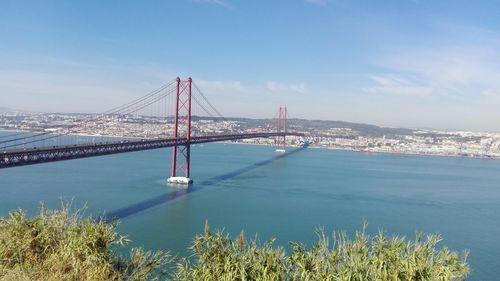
[247, 187]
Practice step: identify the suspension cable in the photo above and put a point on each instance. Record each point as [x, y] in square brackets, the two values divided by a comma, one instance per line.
[128, 108]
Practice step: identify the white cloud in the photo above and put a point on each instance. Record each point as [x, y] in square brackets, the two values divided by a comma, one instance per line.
[464, 71]
[66, 92]
[391, 84]
[216, 85]
[276, 87]
[42, 83]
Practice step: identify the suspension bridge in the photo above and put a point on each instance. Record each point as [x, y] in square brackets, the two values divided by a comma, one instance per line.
[166, 120]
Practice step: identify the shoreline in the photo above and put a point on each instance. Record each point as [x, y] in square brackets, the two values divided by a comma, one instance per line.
[311, 146]
[376, 152]
[406, 153]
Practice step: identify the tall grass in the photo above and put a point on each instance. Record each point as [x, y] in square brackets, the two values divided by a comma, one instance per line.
[218, 257]
[63, 245]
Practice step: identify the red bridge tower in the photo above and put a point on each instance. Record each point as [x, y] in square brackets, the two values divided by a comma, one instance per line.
[182, 130]
[281, 126]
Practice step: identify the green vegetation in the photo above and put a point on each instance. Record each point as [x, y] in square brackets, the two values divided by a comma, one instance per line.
[218, 257]
[60, 245]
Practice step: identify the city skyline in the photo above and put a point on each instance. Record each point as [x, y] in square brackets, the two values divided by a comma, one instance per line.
[401, 64]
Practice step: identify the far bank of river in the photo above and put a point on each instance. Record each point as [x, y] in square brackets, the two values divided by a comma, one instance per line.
[363, 150]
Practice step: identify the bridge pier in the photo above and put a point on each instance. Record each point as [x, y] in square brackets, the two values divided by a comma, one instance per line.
[181, 154]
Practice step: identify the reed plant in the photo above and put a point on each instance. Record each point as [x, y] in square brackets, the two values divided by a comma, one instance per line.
[65, 245]
[215, 256]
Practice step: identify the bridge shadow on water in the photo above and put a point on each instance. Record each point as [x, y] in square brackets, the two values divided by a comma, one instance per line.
[164, 198]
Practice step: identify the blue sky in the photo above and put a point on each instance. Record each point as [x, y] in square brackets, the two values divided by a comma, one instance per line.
[406, 63]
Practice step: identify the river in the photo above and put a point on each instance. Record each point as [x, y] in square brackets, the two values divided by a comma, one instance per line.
[249, 187]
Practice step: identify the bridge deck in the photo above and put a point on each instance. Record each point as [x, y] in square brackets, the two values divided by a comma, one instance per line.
[36, 155]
